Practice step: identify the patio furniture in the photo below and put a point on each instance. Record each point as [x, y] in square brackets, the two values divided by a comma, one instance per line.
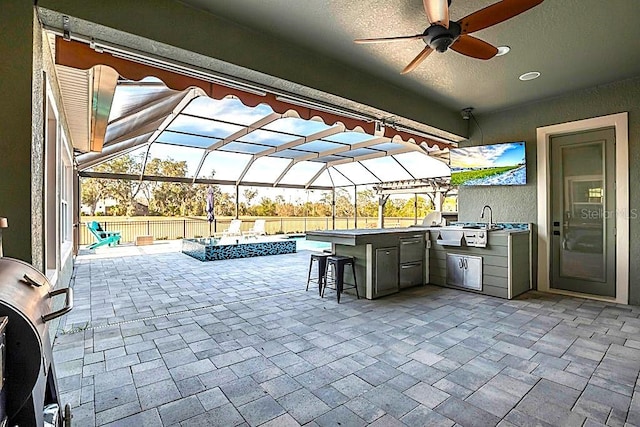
[234, 228]
[103, 237]
[334, 274]
[256, 230]
[321, 260]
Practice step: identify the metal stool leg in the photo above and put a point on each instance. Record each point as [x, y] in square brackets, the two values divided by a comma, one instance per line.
[339, 280]
[309, 276]
[322, 271]
[326, 277]
[355, 283]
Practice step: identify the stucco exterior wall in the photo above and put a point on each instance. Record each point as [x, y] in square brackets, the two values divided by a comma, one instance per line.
[37, 149]
[19, 153]
[519, 124]
[22, 163]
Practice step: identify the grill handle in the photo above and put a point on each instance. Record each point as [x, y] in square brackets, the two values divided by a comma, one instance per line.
[68, 304]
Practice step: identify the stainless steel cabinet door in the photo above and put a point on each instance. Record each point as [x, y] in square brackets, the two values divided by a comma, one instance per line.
[473, 272]
[386, 281]
[464, 271]
[455, 270]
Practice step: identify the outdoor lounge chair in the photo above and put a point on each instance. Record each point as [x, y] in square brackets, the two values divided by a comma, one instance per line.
[234, 228]
[257, 230]
[103, 237]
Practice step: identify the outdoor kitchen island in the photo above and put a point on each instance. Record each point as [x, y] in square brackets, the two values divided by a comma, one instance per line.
[494, 262]
[464, 256]
[386, 260]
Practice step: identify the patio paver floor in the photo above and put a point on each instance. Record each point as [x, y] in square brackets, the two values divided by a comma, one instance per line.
[158, 338]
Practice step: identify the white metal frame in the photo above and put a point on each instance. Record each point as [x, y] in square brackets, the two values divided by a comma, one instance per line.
[620, 122]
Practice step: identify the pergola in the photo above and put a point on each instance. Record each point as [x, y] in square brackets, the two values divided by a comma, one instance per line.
[230, 133]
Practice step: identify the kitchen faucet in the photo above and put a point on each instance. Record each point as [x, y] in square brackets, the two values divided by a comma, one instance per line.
[490, 226]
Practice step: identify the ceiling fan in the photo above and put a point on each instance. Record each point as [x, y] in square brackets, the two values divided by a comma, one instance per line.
[443, 34]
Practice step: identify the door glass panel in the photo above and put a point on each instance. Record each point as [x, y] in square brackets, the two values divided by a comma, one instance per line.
[582, 254]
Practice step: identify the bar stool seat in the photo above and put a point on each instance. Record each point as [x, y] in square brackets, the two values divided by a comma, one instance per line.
[321, 260]
[334, 275]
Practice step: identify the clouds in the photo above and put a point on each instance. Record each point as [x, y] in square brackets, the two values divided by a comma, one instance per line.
[484, 156]
[227, 110]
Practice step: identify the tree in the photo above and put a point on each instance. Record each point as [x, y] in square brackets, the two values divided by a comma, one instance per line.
[171, 198]
[450, 204]
[344, 205]
[123, 191]
[249, 195]
[92, 192]
[267, 207]
[367, 203]
[284, 208]
[224, 203]
[408, 208]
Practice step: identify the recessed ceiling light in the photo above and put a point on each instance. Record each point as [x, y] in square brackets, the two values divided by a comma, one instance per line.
[503, 50]
[529, 76]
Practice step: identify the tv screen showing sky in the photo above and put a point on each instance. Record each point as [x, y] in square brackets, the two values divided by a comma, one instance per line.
[496, 164]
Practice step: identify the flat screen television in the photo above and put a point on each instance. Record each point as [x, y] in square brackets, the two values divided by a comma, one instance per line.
[495, 164]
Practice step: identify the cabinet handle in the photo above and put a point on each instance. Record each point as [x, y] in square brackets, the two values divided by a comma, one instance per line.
[404, 266]
[466, 264]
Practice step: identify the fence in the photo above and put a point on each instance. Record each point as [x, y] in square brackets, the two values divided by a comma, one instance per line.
[178, 228]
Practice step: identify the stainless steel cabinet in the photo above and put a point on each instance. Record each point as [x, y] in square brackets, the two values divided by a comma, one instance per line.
[386, 281]
[411, 261]
[464, 271]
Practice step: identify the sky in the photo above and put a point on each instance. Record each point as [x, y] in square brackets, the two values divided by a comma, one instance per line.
[495, 155]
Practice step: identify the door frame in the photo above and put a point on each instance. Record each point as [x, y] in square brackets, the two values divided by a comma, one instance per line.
[620, 122]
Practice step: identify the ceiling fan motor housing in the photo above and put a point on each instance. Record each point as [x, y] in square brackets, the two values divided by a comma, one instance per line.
[440, 38]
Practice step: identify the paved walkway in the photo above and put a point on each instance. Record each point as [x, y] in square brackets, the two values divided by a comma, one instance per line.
[157, 338]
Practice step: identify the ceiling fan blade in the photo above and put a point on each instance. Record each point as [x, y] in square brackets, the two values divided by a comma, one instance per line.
[494, 14]
[388, 39]
[437, 11]
[417, 60]
[474, 47]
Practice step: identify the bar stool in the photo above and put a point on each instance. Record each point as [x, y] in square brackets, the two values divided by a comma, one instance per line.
[334, 275]
[321, 259]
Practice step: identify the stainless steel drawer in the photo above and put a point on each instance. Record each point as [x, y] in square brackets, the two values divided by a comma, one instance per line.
[411, 249]
[411, 274]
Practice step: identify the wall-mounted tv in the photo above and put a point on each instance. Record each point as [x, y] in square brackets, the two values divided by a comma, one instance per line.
[496, 164]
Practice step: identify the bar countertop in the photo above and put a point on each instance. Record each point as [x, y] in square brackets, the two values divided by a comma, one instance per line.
[353, 237]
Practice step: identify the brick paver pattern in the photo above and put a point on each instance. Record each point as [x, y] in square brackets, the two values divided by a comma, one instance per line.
[158, 338]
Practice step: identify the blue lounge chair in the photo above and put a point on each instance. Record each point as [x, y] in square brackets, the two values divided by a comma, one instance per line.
[110, 238]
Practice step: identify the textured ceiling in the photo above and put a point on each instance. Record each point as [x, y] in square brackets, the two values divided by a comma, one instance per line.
[573, 43]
